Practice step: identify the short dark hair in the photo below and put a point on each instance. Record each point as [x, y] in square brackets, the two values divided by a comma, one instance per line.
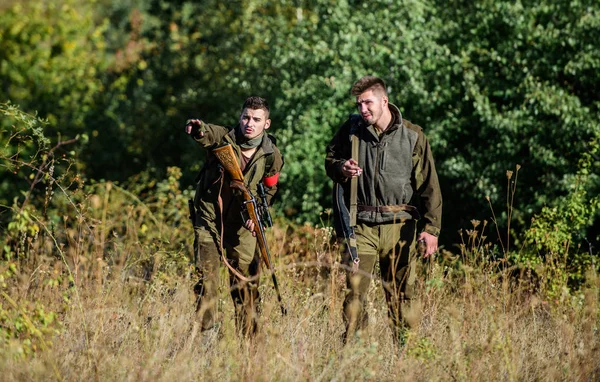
[256, 103]
[368, 83]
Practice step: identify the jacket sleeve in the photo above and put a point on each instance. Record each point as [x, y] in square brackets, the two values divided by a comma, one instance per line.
[213, 134]
[337, 153]
[428, 186]
[271, 177]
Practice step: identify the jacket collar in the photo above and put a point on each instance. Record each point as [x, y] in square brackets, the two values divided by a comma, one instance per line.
[396, 117]
[266, 144]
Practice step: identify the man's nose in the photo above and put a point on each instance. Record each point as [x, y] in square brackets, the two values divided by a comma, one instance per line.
[362, 107]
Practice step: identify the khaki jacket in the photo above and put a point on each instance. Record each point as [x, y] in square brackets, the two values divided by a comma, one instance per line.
[209, 185]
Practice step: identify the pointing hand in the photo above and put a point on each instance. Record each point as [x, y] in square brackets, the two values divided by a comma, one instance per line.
[193, 128]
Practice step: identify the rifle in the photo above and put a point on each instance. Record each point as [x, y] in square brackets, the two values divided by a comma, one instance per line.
[263, 206]
[254, 211]
[192, 210]
[344, 230]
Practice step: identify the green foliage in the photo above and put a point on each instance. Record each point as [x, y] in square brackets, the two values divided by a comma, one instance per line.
[21, 141]
[50, 55]
[555, 231]
[555, 227]
[424, 350]
[491, 83]
[21, 227]
[25, 327]
[32, 171]
[516, 97]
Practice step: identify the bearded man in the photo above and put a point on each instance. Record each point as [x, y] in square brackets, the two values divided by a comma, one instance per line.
[395, 185]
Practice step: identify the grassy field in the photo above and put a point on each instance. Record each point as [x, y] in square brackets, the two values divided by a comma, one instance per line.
[96, 284]
[122, 309]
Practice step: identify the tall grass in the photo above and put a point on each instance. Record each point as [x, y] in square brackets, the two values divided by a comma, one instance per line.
[120, 321]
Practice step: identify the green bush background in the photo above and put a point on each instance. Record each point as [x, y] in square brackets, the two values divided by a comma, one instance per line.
[493, 83]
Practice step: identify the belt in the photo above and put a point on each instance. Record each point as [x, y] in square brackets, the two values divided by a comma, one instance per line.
[412, 210]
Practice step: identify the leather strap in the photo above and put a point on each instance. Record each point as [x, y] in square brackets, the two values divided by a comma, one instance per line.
[231, 268]
[353, 183]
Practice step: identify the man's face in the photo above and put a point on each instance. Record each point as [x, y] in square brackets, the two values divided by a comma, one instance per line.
[371, 106]
[254, 122]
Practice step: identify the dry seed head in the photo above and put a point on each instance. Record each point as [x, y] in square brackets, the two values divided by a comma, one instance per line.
[509, 174]
[475, 223]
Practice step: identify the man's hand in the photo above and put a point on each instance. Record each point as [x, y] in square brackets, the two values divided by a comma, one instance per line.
[431, 243]
[193, 128]
[350, 169]
[249, 225]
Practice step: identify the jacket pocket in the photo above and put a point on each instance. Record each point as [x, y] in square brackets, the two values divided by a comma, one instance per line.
[382, 162]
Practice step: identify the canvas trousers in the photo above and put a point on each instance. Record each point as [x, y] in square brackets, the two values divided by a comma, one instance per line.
[393, 245]
[240, 250]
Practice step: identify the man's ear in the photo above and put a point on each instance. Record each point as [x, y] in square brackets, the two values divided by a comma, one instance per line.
[384, 100]
[267, 124]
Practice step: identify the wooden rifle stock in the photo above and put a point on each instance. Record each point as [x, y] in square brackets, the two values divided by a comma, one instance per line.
[228, 160]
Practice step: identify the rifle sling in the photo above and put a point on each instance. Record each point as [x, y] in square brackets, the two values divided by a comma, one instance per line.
[353, 183]
[223, 256]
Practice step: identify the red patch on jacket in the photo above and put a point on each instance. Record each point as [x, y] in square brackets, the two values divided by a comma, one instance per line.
[271, 180]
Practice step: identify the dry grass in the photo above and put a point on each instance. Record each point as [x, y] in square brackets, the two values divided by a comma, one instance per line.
[117, 275]
[472, 324]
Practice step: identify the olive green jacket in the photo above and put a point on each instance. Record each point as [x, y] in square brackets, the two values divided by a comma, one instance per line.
[398, 170]
[209, 186]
